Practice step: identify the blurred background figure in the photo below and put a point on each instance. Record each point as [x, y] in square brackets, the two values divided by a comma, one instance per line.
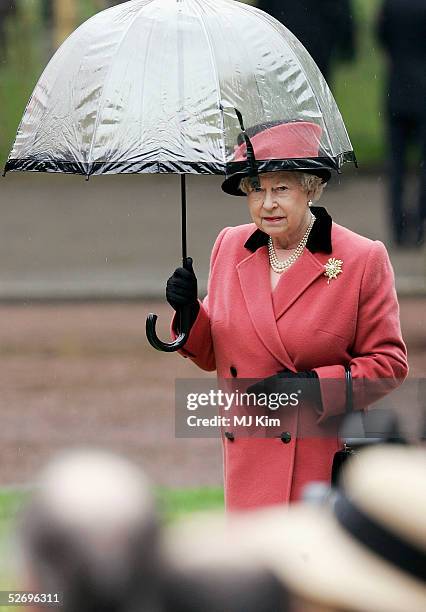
[90, 532]
[401, 30]
[325, 27]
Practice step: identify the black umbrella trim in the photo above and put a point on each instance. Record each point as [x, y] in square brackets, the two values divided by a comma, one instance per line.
[181, 167]
[305, 163]
[122, 167]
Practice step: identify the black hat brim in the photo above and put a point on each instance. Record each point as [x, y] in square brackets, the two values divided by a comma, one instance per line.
[231, 185]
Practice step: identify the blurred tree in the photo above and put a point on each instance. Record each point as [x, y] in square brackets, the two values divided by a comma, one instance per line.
[46, 10]
[46, 23]
[65, 16]
[7, 8]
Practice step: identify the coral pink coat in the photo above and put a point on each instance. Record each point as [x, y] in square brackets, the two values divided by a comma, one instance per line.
[245, 330]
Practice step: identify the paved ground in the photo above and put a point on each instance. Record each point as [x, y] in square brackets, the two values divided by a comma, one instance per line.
[118, 236]
[84, 374]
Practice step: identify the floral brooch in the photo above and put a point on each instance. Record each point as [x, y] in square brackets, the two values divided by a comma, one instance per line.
[333, 268]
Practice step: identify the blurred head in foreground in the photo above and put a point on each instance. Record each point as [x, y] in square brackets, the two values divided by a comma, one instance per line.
[90, 533]
[365, 552]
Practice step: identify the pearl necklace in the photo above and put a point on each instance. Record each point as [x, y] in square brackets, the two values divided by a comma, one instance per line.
[280, 266]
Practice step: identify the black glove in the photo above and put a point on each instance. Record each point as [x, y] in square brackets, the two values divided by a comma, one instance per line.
[182, 290]
[289, 382]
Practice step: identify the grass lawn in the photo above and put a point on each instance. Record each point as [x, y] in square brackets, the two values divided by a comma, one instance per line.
[172, 502]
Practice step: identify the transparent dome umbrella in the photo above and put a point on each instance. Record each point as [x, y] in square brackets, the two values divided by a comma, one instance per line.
[163, 86]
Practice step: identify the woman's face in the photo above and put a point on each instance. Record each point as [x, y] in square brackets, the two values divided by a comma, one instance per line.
[280, 207]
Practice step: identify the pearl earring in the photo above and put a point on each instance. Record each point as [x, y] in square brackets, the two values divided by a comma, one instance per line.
[310, 203]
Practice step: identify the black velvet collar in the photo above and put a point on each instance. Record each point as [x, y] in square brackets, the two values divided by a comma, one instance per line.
[319, 239]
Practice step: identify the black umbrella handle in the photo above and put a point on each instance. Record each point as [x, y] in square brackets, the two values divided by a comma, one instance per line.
[185, 322]
[178, 343]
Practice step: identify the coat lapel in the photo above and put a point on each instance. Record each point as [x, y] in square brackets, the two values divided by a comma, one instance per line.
[295, 281]
[264, 307]
[253, 273]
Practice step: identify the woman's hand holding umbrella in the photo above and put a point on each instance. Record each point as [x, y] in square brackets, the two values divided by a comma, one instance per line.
[182, 291]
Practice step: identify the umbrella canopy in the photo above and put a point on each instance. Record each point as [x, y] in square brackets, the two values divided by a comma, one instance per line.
[153, 86]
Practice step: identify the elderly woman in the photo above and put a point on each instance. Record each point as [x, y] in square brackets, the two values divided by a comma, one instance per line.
[291, 295]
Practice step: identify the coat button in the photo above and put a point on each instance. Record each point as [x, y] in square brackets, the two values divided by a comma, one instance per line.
[285, 437]
[230, 436]
[233, 371]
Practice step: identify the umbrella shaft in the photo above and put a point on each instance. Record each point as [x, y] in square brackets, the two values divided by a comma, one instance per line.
[183, 215]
